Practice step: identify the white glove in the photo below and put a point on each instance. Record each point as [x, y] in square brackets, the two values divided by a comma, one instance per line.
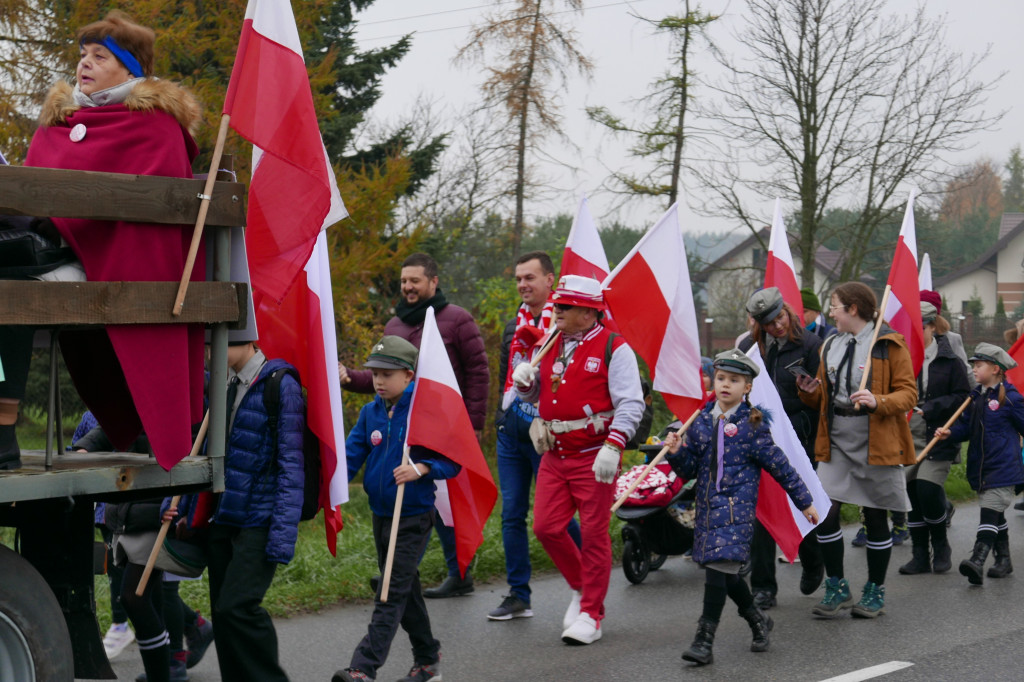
[606, 464]
[523, 375]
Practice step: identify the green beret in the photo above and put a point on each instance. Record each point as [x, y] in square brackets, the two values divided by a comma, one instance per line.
[810, 300]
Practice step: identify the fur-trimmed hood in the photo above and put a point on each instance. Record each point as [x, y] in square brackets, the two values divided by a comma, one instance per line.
[150, 94]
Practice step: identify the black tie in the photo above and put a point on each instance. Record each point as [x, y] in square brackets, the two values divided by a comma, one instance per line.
[848, 361]
[771, 359]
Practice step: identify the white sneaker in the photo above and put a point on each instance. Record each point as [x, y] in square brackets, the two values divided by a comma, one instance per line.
[585, 630]
[573, 612]
[116, 639]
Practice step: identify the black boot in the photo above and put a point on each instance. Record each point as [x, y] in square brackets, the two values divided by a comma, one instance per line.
[10, 453]
[974, 568]
[760, 625]
[920, 561]
[453, 586]
[700, 651]
[1002, 567]
[942, 560]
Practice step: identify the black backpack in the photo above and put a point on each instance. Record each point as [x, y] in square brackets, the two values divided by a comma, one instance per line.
[310, 443]
[643, 429]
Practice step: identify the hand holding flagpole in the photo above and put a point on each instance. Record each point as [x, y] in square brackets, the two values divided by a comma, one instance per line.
[545, 348]
[654, 462]
[935, 439]
[389, 563]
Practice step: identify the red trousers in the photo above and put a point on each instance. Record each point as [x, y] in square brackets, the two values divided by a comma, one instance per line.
[565, 486]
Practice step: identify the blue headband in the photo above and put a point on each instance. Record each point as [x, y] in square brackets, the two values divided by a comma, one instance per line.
[123, 56]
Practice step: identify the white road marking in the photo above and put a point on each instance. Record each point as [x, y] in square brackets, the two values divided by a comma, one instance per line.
[872, 672]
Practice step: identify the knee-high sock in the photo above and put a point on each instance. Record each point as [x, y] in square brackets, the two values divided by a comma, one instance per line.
[879, 547]
[830, 541]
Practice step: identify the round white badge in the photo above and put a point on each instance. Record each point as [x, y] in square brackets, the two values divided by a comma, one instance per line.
[376, 437]
[558, 367]
[730, 430]
[78, 133]
[993, 405]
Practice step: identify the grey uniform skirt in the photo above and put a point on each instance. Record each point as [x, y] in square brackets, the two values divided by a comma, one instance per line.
[848, 477]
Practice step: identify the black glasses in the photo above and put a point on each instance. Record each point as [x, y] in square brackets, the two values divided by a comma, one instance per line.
[562, 307]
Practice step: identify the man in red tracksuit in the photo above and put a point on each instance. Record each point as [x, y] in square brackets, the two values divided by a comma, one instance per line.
[590, 402]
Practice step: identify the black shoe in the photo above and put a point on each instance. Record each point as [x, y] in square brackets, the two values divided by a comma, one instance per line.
[974, 567]
[811, 579]
[10, 453]
[760, 625]
[453, 586]
[1002, 567]
[920, 561]
[764, 599]
[1019, 506]
[198, 638]
[700, 651]
[942, 559]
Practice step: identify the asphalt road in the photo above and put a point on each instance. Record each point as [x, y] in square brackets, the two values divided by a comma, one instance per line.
[936, 627]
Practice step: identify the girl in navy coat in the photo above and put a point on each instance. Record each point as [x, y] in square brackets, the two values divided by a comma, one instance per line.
[993, 424]
[726, 460]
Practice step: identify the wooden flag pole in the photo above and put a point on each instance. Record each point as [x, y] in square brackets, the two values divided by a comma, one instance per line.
[654, 462]
[166, 525]
[545, 348]
[874, 339]
[204, 207]
[395, 518]
[935, 439]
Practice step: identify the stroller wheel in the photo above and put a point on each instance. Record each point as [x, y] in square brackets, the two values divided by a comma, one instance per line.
[658, 560]
[636, 560]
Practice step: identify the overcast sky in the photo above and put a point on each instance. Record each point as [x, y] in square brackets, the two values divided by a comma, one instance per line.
[627, 57]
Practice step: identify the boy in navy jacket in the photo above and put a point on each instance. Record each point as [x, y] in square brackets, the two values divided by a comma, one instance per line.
[378, 440]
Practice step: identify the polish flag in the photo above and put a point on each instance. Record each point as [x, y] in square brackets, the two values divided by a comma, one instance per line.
[438, 421]
[584, 253]
[903, 310]
[293, 193]
[651, 296]
[779, 271]
[775, 510]
[1016, 375]
[300, 330]
[924, 278]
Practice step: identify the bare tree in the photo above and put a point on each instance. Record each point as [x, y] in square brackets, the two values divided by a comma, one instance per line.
[535, 53]
[835, 102]
[662, 137]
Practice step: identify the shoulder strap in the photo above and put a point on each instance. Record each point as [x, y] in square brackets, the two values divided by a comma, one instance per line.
[608, 350]
[272, 397]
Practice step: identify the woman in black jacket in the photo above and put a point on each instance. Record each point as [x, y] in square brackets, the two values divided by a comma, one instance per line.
[784, 344]
[941, 388]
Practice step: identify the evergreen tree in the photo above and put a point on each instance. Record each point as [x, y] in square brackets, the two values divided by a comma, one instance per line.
[1013, 190]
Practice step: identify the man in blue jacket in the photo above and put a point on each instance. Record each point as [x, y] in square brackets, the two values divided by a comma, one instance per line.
[255, 524]
[378, 441]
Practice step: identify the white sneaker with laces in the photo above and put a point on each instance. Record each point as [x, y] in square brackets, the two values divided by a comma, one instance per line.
[573, 612]
[584, 630]
[118, 637]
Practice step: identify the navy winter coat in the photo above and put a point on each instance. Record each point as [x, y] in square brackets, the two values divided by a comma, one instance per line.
[994, 452]
[259, 493]
[377, 441]
[947, 389]
[725, 518]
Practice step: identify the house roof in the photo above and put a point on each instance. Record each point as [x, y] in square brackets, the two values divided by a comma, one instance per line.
[1011, 225]
[825, 259]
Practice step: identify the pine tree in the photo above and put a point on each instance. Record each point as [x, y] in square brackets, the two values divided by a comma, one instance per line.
[1013, 190]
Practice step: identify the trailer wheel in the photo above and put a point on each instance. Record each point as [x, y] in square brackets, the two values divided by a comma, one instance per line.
[34, 641]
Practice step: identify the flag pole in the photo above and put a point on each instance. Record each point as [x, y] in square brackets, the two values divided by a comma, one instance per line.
[545, 348]
[166, 525]
[654, 462]
[874, 340]
[395, 518]
[935, 439]
[204, 207]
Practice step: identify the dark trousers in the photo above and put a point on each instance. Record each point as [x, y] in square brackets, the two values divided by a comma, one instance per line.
[405, 605]
[239, 578]
[16, 355]
[147, 615]
[115, 575]
[762, 558]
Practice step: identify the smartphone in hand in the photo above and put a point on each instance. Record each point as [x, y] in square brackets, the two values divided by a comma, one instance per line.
[797, 369]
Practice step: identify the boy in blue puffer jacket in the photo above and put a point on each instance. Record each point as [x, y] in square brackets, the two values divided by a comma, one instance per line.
[726, 448]
[377, 440]
[993, 423]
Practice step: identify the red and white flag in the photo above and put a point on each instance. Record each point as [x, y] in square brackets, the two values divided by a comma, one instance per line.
[438, 421]
[775, 510]
[584, 253]
[651, 296]
[924, 278]
[300, 330]
[293, 193]
[903, 310]
[779, 271]
[293, 198]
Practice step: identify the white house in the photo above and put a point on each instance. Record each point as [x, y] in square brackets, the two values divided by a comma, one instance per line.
[997, 272]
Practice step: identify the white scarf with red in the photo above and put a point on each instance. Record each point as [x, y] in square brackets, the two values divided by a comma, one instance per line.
[528, 333]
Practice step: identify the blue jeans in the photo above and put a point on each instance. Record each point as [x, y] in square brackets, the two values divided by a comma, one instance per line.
[517, 470]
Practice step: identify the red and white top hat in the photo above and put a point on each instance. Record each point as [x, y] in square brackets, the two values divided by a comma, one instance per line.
[579, 290]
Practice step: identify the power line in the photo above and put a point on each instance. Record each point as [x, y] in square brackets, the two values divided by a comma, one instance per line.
[453, 28]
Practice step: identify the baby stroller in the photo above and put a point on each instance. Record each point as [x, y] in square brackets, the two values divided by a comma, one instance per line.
[658, 516]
